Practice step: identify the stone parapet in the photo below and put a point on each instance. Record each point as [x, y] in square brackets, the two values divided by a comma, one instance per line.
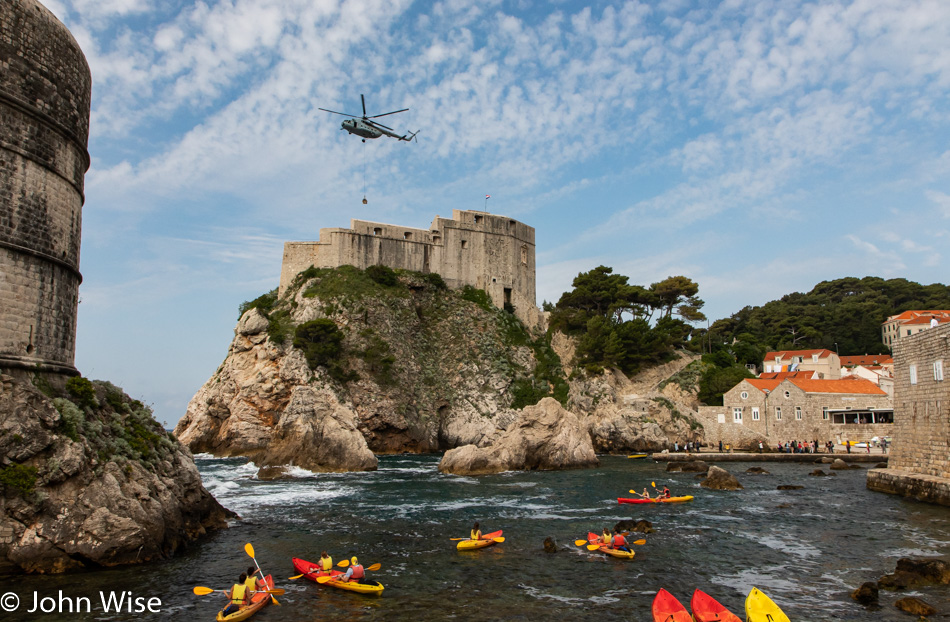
[927, 488]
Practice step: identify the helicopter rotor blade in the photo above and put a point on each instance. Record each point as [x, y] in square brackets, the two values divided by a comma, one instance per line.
[363, 99]
[376, 116]
[345, 114]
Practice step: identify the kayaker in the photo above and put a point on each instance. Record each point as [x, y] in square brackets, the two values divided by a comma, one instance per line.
[354, 572]
[476, 533]
[326, 562]
[645, 494]
[605, 538]
[619, 542]
[251, 582]
[666, 492]
[238, 596]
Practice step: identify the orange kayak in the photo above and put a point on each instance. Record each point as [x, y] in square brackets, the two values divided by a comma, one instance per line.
[667, 609]
[708, 609]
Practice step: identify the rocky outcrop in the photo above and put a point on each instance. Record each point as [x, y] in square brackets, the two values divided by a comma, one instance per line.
[867, 594]
[543, 437]
[720, 479]
[92, 482]
[916, 572]
[640, 526]
[839, 465]
[915, 606]
[318, 433]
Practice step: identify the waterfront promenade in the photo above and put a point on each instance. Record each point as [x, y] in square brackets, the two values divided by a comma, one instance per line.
[854, 456]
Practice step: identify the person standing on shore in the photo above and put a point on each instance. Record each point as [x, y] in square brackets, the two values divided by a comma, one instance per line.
[847, 445]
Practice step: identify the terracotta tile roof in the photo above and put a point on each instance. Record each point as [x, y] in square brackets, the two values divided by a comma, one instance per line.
[853, 386]
[925, 319]
[913, 314]
[763, 384]
[867, 360]
[770, 356]
[782, 375]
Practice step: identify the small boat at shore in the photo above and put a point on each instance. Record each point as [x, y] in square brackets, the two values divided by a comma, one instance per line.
[258, 601]
[760, 608]
[667, 609]
[708, 609]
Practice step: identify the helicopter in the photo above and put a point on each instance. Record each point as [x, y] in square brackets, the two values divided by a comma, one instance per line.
[367, 128]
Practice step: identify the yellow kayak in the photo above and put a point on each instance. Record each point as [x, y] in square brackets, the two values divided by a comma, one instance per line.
[760, 608]
[637, 456]
[487, 539]
[258, 601]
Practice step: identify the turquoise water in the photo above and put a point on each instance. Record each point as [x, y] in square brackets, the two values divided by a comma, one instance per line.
[807, 549]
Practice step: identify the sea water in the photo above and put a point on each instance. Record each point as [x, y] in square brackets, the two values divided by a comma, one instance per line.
[807, 549]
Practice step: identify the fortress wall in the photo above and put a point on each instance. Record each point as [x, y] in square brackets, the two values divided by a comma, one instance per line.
[45, 90]
[922, 411]
[491, 252]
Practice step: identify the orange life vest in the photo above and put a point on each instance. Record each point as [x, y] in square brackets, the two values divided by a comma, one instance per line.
[357, 572]
[619, 541]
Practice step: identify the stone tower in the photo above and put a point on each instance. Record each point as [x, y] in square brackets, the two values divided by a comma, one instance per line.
[45, 88]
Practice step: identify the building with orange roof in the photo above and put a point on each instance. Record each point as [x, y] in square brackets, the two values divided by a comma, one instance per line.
[782, 375]
[909, 323]
[825, 362]
[775, 410]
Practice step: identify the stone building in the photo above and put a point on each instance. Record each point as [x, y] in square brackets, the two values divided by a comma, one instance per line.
[487, 251]
[794, 408]
[45, 88]
[919, 465]
[825, 362]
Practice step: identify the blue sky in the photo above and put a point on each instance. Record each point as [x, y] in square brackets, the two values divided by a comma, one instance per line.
[755, 146]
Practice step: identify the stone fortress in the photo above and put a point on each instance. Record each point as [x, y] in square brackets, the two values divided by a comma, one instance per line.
[487, 251]
[45, 90]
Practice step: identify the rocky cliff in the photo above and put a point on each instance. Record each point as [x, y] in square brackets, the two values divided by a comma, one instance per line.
[349, 364]
[90, 479]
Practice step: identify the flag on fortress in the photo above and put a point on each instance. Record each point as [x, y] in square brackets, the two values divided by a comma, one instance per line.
[487, 196]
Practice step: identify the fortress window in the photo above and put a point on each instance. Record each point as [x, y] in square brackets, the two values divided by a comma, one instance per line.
[524, 255]
[436, 239]
[407, 236]
[464, 244]
[377, 231]
[478, 219]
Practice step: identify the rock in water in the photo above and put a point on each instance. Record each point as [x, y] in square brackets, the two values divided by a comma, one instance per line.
[640, 526]
[317, 433]
[720, 479]
[544, 437]
[695, 466]
[866, 594]
[550, 546]
[915, 606]
[914, 572]
[839, 465]
[757, 471]
[93, 482]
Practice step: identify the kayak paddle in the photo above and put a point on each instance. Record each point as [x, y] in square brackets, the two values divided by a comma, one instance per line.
[249, 549]
[343, 563]
[499, 539]
[580, 542]
[204, 591]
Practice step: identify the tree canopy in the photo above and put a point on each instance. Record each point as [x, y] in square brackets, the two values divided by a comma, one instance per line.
[612, 318]
[843, 315]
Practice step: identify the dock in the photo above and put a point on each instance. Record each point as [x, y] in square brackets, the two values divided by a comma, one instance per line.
[736, 456]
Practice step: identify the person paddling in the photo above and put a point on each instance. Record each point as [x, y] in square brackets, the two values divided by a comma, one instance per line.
[354, 572]
[645, 494]
[476, 533]
[238, 596]
[666, 492]
[605, 538]
[619, 542]
[251, 582]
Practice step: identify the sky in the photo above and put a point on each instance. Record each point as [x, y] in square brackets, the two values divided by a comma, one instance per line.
[757, 147]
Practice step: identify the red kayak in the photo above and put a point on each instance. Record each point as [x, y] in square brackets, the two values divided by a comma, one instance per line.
[708, 609]
[667, 609]
[683, 499]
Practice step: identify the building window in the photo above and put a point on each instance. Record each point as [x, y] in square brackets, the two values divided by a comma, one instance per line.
[778, 413]
[824, 413]
[524, 255]
[787, 395]
[464, 243]
[938, 370]
[407, 236]
[377, 231]
[908, 332]
[913, 373]
[744, 395]
[737, 414]
[755, 414]
[814, 358]
[798, 413]
[436, 239]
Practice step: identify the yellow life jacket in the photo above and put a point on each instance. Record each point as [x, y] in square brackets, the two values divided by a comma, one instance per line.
[326, 563]
[476, 534]
[251, 584]
[238, 592]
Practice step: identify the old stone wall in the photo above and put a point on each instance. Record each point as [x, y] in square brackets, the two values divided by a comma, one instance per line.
[45, 89]
[491, 252]
[922, 408]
